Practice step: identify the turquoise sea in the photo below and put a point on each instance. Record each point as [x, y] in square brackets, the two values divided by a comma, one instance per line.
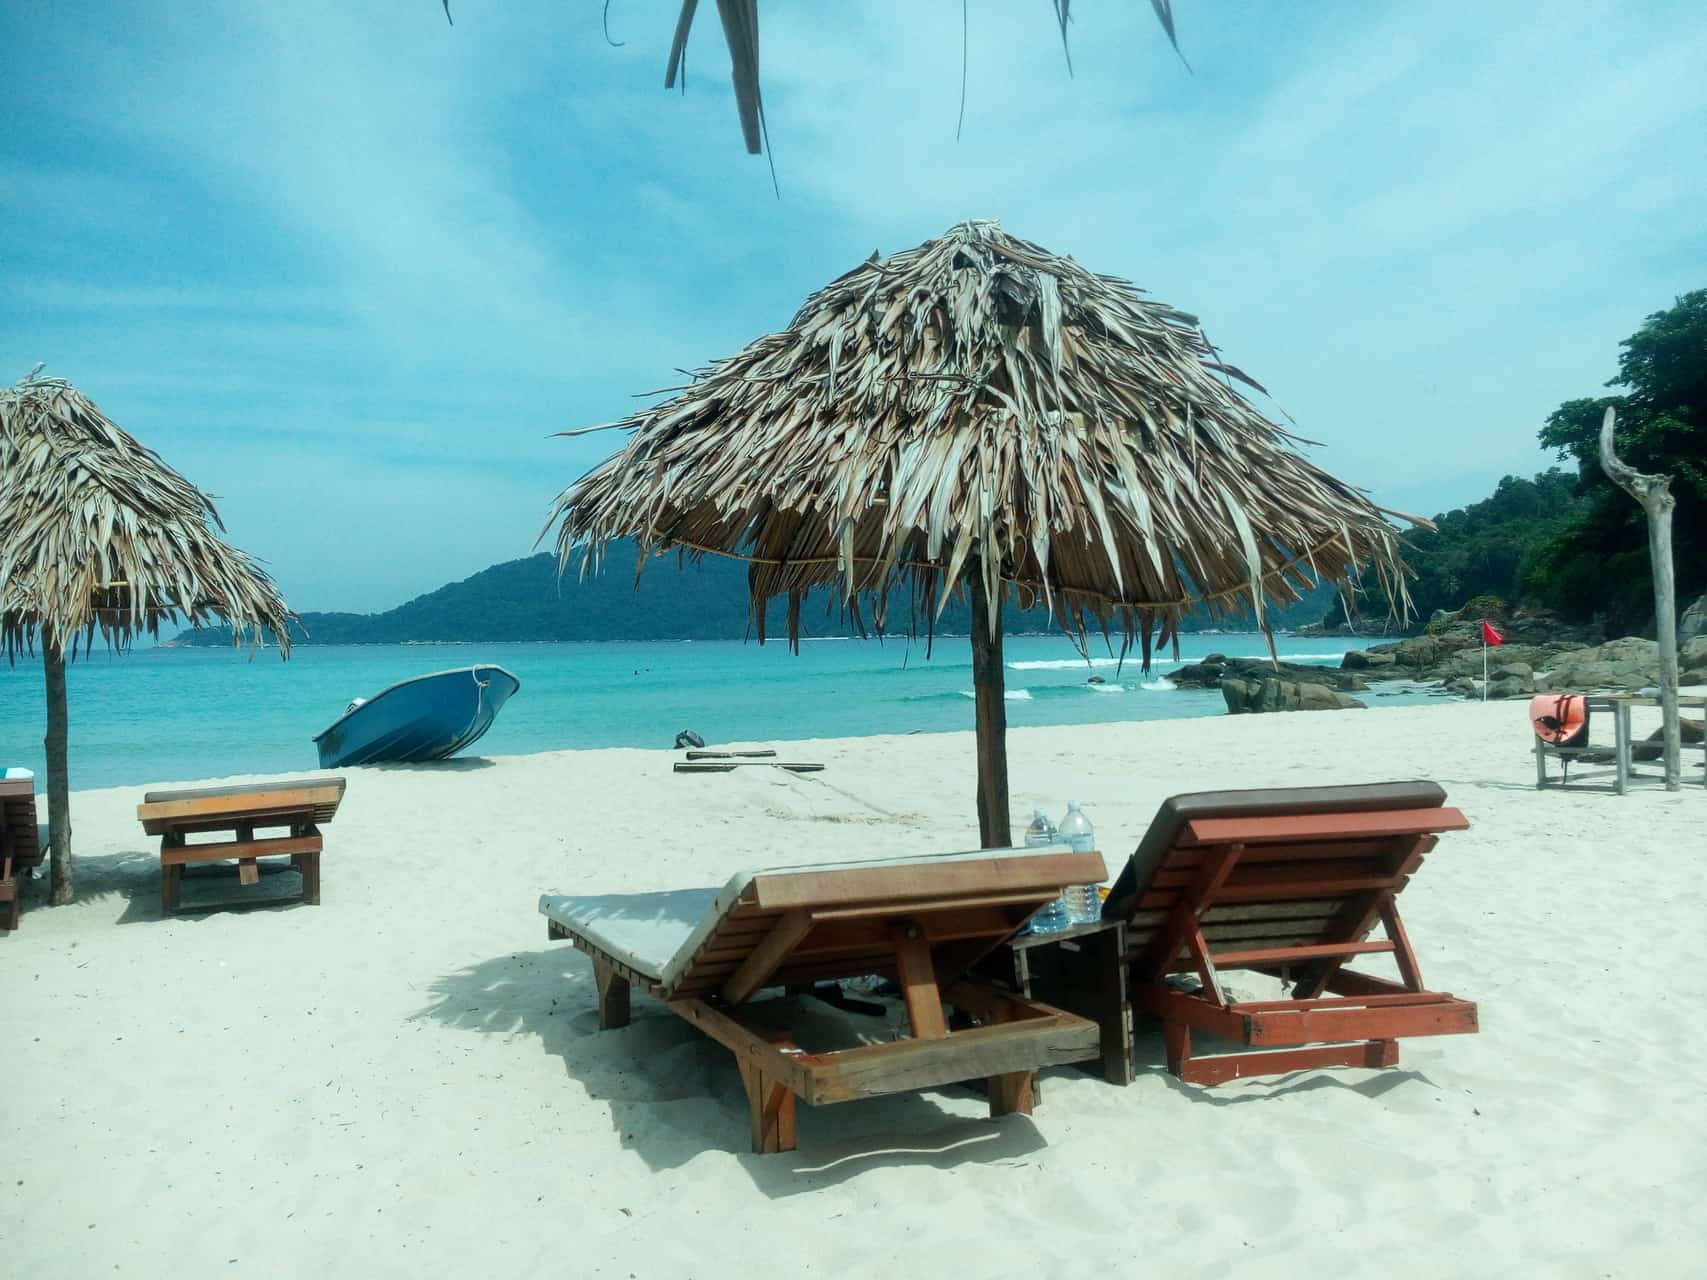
[157, 715]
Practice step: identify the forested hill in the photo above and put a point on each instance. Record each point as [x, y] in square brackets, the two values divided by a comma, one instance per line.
[523, 600]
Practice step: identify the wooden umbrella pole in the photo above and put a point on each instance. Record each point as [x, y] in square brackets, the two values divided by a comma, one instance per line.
[58, 776]
[992, 711]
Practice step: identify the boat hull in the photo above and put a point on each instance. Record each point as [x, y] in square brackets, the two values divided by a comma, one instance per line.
[424, 718]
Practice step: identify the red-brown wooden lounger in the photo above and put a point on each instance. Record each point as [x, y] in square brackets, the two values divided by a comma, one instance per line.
[1289, 882]
[923, 921]
[299, 807]
[19, 847]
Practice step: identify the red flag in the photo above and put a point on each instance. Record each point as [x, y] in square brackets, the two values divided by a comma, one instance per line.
[1489, 635]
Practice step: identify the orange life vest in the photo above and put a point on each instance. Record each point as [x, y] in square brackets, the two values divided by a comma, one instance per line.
[1560, 718]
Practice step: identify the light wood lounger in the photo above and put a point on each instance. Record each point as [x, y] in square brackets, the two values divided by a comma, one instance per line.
[1289, 882]
[923, 921]
[299, 807]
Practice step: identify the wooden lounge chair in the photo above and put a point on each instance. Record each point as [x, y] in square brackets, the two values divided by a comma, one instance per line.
[19, 848]
[923, 921]
[1287, 882]
[299, 807]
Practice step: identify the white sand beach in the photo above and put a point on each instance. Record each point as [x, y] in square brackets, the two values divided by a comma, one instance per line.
[409, 1079]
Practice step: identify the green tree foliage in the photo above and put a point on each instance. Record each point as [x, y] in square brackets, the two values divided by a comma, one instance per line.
[1598, 562]
[1487, 549]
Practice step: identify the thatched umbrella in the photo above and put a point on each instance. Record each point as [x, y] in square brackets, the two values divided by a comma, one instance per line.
[97, 533]
[979, 411]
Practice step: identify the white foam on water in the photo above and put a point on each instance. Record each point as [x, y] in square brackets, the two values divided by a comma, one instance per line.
[1158, 686]
[1063, 664]
[1009, 695]
[1108, 688]
[1132, 660]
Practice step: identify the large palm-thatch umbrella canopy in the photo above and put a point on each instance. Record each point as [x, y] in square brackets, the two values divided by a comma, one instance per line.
[978, 409]
[99, 534]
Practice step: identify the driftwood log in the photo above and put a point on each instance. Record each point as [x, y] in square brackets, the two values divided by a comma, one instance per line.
[1654, 494]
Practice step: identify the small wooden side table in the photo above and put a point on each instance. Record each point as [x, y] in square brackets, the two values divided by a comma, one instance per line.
[1080, 970]
[299, 807]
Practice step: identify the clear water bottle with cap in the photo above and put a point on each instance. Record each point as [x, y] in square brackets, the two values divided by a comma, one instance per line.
[1083, 902]
[1041, 831]
[1052, 918]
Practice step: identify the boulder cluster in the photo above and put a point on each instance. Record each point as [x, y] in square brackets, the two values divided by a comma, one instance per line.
[1256, 684]
[1540, 656]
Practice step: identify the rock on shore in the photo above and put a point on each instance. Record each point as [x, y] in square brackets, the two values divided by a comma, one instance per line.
[1247, 696]
[1258, 684]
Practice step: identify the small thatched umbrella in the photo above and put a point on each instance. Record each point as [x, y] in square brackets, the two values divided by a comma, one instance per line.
[979, 410]
[98, 533]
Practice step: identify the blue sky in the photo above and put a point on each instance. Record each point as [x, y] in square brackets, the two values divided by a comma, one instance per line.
[348, 267]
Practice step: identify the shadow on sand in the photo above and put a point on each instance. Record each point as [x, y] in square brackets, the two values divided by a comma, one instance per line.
[133, 876]
[459, 764]
[675, 1094]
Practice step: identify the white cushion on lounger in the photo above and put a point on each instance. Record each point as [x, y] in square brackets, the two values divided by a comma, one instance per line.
[642, 930]
[18, 774]
[657, 934]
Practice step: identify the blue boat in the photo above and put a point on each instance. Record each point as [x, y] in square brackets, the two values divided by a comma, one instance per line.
[423, 718]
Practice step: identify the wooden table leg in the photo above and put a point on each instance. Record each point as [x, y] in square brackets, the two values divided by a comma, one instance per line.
[613, 995]
[13, 882]
[1621, 747]
[1114, 1006]
[770, 1106]
[170, 875]
[1176, 1036]
[1015, 1092]
[311, 878]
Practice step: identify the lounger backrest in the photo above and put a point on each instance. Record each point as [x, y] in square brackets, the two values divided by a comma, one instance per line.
[1312, 857]
[18, 821]
[803, 924]
[265, 803]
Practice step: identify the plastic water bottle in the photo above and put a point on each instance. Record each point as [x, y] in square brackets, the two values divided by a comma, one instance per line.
[1041, 831]
[1083, 902]
[1052, 918]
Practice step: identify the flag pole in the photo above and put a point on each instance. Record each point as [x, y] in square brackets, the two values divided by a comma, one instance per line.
[1484, 662]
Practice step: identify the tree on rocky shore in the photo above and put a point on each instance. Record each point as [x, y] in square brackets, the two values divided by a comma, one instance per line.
[1486, 549]
[1598, 560]
[1573, 542]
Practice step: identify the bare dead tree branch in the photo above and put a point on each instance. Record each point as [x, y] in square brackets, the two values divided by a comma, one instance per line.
[1654, 495]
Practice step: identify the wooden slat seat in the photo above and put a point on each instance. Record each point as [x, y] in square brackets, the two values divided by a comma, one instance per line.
[706, 953]
[297, 806]
[312, 800]
[1290, 882]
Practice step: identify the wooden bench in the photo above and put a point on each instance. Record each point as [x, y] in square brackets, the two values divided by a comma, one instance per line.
[297, 807]
[1624, 750]
[923, 922]
[20, 849]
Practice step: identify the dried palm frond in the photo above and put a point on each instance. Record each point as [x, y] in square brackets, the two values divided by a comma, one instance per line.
[980, 403]
[740, 19]
[98, 533]
[741, 34]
